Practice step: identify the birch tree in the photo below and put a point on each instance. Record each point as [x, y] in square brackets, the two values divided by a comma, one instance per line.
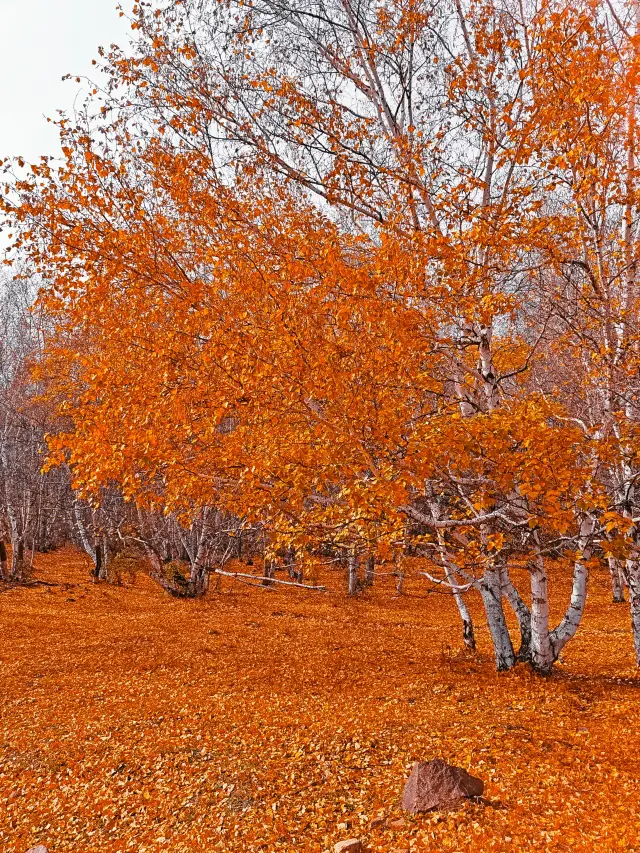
[362, 256]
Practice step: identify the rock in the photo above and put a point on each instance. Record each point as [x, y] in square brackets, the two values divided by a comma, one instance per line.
[351, 845]
[398, 823]
[438, 785]
[39, 849]
[377, 821]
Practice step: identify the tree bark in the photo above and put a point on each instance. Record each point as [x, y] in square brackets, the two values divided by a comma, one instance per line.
[617, 580]
[17, 560]
[198, 579]
[97, 569]
[542, 655]
[290, 561]
[491, 592]
[522, 613]
[468, 634]
[86, 542]
[16, 521]
[17, 545]
[267, 572]
[633, 578]
[569, 625]
[353, 573]
[199, 574]
[369, 570]
[104, 574]
[4, 566]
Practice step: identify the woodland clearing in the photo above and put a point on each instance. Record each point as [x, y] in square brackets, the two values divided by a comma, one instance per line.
[370, 298]
[275, 720]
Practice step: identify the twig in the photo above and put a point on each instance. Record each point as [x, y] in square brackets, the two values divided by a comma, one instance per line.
[240, 575]
[444, 582]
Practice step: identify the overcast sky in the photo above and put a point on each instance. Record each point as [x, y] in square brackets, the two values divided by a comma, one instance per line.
[40, 41]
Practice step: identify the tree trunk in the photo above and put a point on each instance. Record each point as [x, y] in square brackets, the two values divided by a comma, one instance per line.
[633, 577]
[567, 628]
[104, 574]
[468, 634]
[522, 613]
[369, 570]
[97, 569]
[617, 580]
[198, 579]
[157, 571]
[353, 573]
[267, 572]
[542, 656]
[4, 567]
[17, 560]
[492, 599]
[84, 538]
[17, 545]
[16, 521]
[290, 561]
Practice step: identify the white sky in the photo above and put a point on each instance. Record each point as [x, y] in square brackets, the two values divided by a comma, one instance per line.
[40, 41]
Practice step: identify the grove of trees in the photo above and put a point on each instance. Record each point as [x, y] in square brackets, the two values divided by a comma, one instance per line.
[356, 277]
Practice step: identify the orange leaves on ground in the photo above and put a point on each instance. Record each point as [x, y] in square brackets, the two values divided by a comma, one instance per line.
[266, 721]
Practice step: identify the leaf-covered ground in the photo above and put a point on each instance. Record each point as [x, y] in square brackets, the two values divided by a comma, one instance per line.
[285, 721]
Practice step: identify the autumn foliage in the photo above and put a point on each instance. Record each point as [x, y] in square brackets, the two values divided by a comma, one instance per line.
[377, 294]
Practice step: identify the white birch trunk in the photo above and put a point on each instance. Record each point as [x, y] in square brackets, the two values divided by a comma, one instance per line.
[633, 577]
[198, 578]
[199, 574]
[399, 573]
[17, 560]
[567, 628]
[617, 579]
[492, 599]
[15, 520]
[82, 532]
[353, 573]
[490, 381]
[542, 656]
[521, 611]
[105, 559]
[468, 635]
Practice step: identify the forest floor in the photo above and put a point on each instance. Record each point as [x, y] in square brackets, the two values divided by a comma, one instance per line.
[287, 720]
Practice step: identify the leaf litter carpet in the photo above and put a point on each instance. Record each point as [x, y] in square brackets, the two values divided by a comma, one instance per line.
[260, 720]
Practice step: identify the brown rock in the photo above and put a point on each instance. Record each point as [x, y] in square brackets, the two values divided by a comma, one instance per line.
[39, 849]
[377, 821]
[398, 823]
[351, 845]
[438, 785]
